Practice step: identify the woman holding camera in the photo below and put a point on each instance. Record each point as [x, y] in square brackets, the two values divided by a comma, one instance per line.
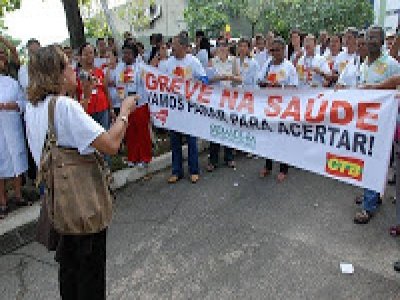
[98, 105]
[82, 258]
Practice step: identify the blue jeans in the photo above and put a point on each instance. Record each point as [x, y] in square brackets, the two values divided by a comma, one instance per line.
[103, 118]
[370, 200]
[177, 158]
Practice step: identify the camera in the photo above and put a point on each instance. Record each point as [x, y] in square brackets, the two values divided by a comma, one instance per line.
[84, 76]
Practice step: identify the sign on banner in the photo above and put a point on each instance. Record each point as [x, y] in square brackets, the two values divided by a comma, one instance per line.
[345, 134]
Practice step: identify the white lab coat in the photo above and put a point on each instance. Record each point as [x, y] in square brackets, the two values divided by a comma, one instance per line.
[13, 154]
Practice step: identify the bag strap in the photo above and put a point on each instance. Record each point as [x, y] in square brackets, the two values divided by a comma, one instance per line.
[50, 140]
[51, 131]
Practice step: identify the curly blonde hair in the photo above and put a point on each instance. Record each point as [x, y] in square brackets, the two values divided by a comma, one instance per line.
[45, 69]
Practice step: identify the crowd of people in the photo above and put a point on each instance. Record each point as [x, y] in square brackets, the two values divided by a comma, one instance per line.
[102, 76]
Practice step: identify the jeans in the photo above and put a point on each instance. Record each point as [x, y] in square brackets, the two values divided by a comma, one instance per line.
[177, 158]
[370, 200]
[214, 154]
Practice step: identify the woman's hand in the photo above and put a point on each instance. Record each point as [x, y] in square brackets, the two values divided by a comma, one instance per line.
[339, 86]
[316, 71]
[9, 106]
[368, 86]
[87, 87]
[110, 141]
[155, 61]
[129, 105]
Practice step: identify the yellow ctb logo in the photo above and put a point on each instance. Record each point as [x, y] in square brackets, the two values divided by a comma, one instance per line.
[340, 166]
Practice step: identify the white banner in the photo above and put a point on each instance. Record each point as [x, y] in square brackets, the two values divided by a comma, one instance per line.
[345, 134]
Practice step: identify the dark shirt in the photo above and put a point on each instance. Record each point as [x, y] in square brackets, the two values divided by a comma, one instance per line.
[12, 70]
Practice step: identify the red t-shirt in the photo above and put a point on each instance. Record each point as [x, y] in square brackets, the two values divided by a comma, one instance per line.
[98, 100]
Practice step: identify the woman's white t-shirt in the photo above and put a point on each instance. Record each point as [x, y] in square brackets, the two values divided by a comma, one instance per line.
[304, 67]
[202, 56]
[342, 60]
[283, 74]
[220, 67]
[248, 70]
[187, 68]
[74, 127]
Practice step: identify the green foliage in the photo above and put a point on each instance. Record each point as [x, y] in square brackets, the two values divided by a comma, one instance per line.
[133, 14]
[314, 15]
[96, 26]
[8, 5]
[210, 16]
[279, 15]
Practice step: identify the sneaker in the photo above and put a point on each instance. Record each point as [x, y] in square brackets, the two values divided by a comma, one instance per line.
[20, 201]
[281, 177]
[231, 164]
[396, 266]
[194, 178]
[173, 179]
[264, 173]
[363, 217]
[130, 164]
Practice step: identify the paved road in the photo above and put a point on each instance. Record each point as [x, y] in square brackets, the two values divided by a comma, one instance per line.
[231, 236]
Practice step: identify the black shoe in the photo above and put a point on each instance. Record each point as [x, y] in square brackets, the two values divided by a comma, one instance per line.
[3, 212]
[392, 181]
[396, 266]
[20, 202]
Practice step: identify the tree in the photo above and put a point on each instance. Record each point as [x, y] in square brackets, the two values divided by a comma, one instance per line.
[74, 22]
[8, 5]
[136, 14]
[254, 11]
[279, 15]
[97, 26]
[99, 19]
[210, 16]
[311, 16]
[110, 20]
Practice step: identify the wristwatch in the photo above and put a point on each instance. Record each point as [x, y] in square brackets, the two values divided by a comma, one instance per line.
[124, 119]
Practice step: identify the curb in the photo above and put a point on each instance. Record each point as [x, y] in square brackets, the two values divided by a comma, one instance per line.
[19, 228]
[125, 176]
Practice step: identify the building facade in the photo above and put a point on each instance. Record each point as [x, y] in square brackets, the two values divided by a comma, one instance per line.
[387, 13]
[167, 18]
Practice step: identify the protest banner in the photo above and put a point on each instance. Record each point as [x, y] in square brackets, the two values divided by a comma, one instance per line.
[344, 134]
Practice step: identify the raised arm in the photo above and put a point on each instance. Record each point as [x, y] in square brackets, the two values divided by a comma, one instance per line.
[110, 141]
[389, 84]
